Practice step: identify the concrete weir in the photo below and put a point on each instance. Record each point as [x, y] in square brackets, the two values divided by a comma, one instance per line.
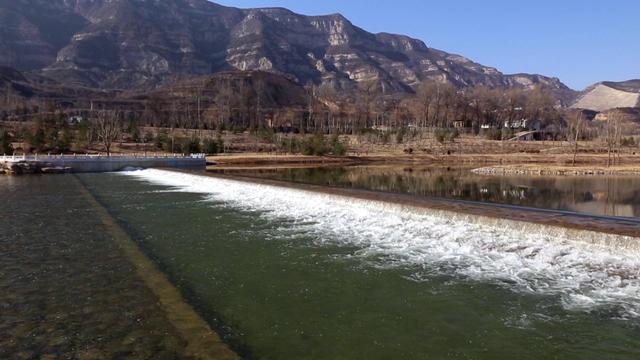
[36, 164]
[620, 234]
[201, 341]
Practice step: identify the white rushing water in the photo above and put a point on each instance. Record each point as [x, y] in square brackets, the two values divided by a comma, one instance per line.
[585, 277]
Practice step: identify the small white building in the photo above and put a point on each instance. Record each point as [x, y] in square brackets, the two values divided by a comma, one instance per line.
[75, 120]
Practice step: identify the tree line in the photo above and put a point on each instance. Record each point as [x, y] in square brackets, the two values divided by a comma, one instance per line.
[240, 106]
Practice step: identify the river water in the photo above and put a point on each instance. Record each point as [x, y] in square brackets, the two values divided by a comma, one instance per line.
[66, 290]
[288, 274]
[598, 195]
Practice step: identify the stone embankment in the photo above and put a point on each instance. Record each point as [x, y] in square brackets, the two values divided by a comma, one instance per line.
[31, 167]
[537, 170]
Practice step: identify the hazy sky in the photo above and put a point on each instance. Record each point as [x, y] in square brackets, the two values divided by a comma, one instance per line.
[581, 42]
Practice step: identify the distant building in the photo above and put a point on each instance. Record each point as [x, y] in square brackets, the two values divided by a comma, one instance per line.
[516, 124]
[75, 120]
[523, 124]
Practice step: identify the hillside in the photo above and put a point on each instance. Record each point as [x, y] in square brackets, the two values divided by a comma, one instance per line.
[126, 44]
[609, 95]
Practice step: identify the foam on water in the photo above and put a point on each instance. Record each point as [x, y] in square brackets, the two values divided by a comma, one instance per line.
[585, 277]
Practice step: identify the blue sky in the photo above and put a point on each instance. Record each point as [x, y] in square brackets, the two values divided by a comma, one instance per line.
[581, 42]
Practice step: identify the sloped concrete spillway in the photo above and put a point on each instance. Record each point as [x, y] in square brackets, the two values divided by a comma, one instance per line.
[587, 262]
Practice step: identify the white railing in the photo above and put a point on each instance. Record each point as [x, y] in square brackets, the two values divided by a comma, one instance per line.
[103, 157]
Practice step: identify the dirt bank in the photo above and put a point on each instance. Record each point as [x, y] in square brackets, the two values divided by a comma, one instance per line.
[559, 170]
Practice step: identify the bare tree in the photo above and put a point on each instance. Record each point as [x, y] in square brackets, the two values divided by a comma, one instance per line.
[576, 125]
[613, 133]
[424, 96]
[617, 127]
[108, 128]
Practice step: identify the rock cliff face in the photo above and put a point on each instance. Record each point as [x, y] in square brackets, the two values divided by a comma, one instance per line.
[137, 43]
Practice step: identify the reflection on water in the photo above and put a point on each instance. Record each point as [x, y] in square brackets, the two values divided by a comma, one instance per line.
[612, 196]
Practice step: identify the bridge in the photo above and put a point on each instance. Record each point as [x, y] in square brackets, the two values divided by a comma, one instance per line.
[29, 164]
[525, 135]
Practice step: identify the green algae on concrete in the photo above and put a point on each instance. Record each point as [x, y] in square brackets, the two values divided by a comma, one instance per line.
[201, 341]
[66, 288]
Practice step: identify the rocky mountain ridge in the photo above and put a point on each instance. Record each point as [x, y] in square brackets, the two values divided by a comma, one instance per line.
[124, 44]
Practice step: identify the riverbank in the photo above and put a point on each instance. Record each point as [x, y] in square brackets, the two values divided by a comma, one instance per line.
[559, 170]
[486, 164]
[256, 159]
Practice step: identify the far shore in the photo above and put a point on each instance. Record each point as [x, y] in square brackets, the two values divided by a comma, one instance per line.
[489, 164]
[559, 170]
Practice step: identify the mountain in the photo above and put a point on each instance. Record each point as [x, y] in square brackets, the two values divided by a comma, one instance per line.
[226, 89]
[16, 88]
[609, 95]
[125, 44]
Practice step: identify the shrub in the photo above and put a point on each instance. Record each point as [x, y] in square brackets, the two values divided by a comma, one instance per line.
[628, 142]
[191, 146]
[264, 134]
[338, 148]
[507, 134]
[314, 145]
[86, 134]
[211, 147]
[291, 145]
[446, 135]
[239, 129]
[440, 135]
[38, 139]
[220, 142]
[64, 140]
[400, 136]
[165, 143]
[493, 134]
[134, 131]
[5, 143]
[453, 135]
[160, 141]
[386, 136]
[25, 134]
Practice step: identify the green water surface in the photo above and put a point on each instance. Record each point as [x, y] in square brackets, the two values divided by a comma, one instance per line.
[274, 293]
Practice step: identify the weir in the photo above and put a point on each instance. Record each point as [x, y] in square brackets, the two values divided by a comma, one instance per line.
[612, 232]
[589, 261]
[28, 164]
[201, 341]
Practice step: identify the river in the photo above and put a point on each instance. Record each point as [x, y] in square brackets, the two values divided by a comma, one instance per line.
[290, 274]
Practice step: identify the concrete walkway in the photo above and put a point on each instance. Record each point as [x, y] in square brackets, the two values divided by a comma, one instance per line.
[103, 163]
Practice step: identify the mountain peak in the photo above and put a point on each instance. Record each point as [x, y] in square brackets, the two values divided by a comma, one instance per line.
[98, 43]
